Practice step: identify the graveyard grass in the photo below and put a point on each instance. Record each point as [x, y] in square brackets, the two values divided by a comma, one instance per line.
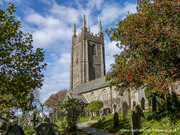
[163, 124]
[28, 132]
[107, 124]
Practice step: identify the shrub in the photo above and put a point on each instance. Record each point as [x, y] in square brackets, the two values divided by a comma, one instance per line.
[95, 105]
[73, 109]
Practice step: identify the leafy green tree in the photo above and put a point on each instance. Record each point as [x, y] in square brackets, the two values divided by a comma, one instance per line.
[73, 109]
[20, 65]
[95, 105]
[150, 43]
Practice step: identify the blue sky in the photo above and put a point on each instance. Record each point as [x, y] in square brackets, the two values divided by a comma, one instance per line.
[51, 24]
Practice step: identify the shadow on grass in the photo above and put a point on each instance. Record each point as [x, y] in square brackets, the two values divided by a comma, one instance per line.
[107, 125]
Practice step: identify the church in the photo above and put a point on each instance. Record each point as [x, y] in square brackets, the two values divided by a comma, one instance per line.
[87, 73]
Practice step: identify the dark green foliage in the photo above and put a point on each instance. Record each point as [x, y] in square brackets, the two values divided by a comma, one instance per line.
[20, 65]
[116, 119]
[95, 105]
[156, 121]
[171, 106]
[73, 109]
[153, 103]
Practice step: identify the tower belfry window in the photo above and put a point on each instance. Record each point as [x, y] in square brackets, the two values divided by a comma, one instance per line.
[93, 49]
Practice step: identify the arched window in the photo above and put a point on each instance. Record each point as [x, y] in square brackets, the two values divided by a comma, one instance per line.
[93, 96]
[105, 95]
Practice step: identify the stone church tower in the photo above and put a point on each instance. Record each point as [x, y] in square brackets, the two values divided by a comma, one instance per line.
[87, 56]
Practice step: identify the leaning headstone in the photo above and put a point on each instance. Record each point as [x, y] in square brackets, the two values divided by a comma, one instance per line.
[140, 113]
[124, 110]
[45, 129]
[15, 130]
[135, 124]
[153, 103]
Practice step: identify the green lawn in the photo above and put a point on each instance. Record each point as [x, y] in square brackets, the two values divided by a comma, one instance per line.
[28, 132]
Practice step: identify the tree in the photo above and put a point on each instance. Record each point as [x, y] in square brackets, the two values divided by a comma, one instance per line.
[73, 109]
[150, 43]
[20, 65]
[54, 102]
[95, 105]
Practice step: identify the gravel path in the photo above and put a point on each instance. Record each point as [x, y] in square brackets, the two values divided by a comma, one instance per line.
[93, 131]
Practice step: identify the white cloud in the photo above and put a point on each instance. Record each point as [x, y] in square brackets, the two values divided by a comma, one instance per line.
[115, 12]
[58, 75]
[110, 50]
[49, 30]
[68, 14]
[52, 31]
[94, 3]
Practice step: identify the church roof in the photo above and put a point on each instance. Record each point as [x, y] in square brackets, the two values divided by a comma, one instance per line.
[91, 85]
[79, 97]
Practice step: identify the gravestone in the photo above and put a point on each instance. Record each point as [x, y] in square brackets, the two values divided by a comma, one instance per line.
[143, 103]
[51, 117]
[101, 113]
[135, 124]
[124, 110]
[114, 108]
[16, 120]
[21, 119]
[140, 113]
[153, 103]
[45, 129]
[47, 119]
[60, 115]
[15, 130]
[136, 118]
